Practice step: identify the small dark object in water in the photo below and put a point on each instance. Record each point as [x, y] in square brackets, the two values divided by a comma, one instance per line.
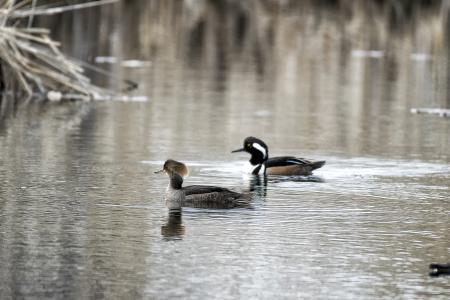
[439, 269]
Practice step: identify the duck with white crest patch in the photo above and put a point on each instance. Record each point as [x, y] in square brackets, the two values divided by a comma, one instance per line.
[261, 164]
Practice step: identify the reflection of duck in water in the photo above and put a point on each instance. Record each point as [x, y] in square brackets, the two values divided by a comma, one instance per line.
[200, 196]
[283, 165]
[439, 269]
[258, 186]
[174, 226]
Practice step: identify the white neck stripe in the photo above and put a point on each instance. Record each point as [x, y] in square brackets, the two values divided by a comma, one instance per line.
[260, 149]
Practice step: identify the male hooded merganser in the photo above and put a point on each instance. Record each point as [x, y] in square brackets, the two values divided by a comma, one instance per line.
[281, 165]
[200, 196]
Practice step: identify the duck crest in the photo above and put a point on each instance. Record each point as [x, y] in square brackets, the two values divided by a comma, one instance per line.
[258, 150]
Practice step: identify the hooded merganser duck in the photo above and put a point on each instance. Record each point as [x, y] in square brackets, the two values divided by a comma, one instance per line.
[281, 165]
[199, 196]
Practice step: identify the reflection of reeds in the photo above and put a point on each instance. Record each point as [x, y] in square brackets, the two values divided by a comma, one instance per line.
[31, 61]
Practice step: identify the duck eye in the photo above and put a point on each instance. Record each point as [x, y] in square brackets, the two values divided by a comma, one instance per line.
[249, 145]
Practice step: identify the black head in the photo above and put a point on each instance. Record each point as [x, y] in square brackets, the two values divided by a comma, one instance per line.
[257, 148]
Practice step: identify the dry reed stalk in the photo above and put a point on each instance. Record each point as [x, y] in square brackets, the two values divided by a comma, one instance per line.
[34, 59]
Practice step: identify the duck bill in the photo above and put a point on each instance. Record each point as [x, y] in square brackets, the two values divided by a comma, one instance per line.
[238, 150]
[159, 172]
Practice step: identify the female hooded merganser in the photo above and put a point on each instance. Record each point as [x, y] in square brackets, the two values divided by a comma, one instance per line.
[199, 196]
[281, 165]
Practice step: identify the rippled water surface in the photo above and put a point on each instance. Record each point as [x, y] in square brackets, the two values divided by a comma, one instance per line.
[82, 214]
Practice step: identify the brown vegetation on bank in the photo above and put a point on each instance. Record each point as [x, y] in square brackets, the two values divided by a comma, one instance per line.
[31, 63]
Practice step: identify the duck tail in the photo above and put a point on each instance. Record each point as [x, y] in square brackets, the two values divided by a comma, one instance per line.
[317, 164]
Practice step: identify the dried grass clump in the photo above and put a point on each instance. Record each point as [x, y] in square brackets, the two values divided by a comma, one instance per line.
[30, 61]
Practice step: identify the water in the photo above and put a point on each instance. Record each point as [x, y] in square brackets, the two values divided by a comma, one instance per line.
[82, 213]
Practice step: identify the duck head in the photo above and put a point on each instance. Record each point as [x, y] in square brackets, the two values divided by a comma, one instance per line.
[176, 171]
[258, 150]
[173, 166]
